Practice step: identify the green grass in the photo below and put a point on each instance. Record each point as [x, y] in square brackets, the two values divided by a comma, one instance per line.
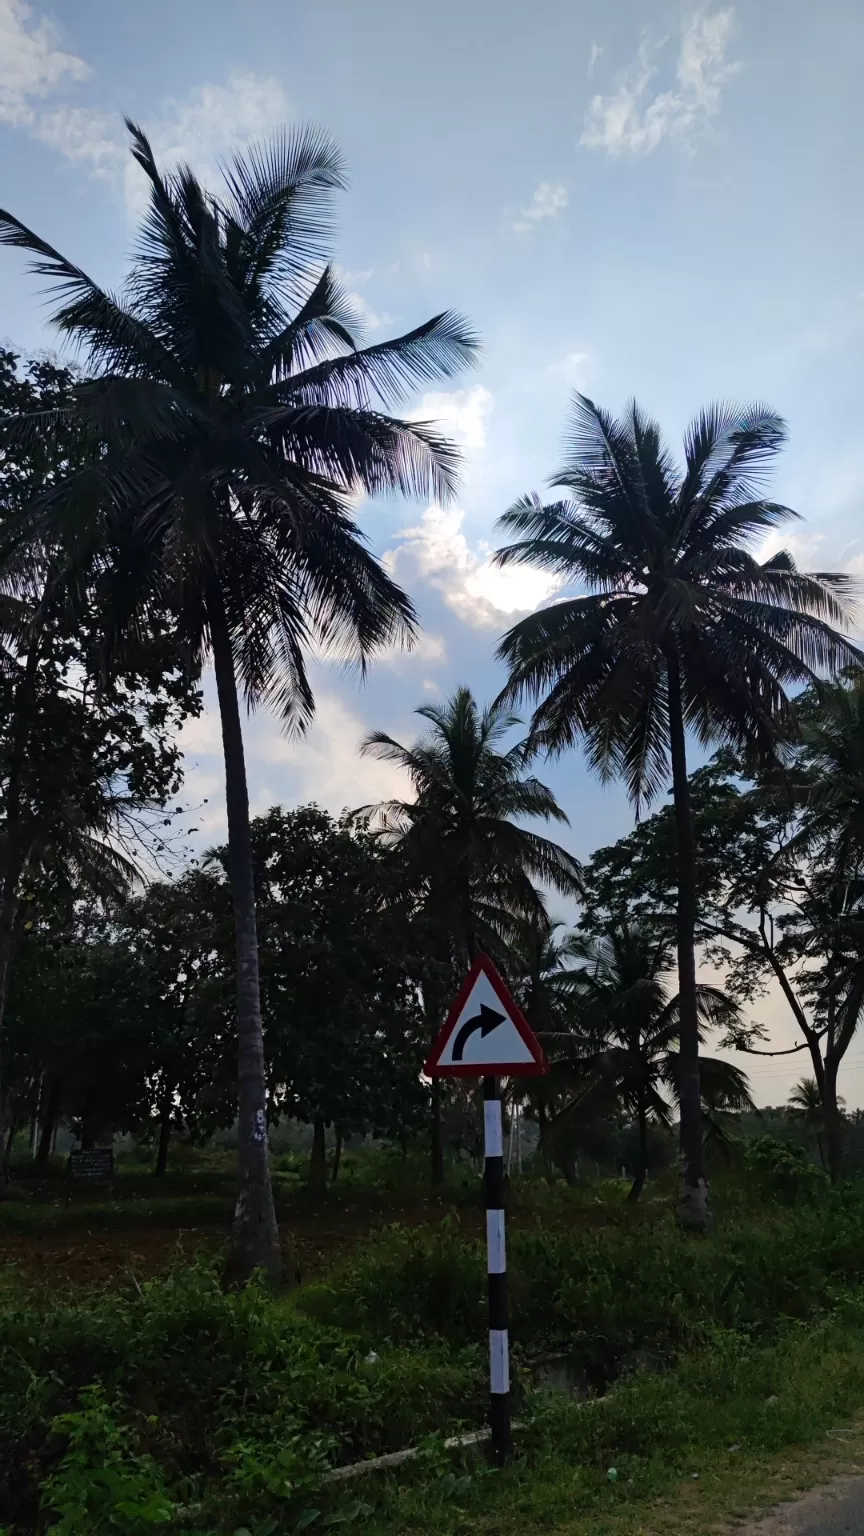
[171, 1404]
[709, 1428]
[111, 1213]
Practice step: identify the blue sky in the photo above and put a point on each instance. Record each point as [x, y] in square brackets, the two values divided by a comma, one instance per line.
[636, 197]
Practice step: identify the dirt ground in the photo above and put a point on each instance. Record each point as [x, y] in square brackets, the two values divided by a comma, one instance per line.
[313, 1237]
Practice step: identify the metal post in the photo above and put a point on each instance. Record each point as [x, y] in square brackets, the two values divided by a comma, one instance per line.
[496, 1266]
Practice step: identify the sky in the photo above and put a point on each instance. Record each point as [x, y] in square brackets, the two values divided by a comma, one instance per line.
[629, 197]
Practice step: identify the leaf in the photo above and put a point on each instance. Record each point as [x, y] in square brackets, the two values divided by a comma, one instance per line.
[308, 1517]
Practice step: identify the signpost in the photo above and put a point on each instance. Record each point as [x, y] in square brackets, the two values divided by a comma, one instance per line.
[93, 1167]
[487, 1035]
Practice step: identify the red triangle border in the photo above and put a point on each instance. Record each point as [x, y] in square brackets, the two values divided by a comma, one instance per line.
[536, 1068]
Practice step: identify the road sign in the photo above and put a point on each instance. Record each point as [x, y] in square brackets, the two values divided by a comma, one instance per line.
[486, 1033]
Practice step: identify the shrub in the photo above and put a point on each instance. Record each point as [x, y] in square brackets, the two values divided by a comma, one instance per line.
[198, 1397]
[603, 1293]
[782, 1171]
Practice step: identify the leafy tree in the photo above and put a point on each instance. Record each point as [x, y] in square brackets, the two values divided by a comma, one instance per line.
[75, 1051]
[471, 865]
[238, 421]
[344, 1034]
[120, 1021]
[682, 629]
[176, 986]
[83, 769]
[631, 1027]
[779, 888]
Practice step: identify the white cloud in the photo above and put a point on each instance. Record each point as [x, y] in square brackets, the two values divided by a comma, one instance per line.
[548, 200]
[200, 128]
[204, 126]
[480, 594]
[631, 121]
[356, 279]
[462, 414]
[572, 369]
[32, 64]
[804, 545]
[368, 318]
[593, 58]
[81, 135]
[325, 765]
[429, 649]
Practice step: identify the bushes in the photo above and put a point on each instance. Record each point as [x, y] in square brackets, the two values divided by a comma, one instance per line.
[602, 1293]
[171, 1404]
[206, 1400]
[782, 1172]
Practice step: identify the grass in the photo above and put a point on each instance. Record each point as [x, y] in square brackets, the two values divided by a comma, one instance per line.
[111, 1213]
[166, 1403]
[719, 1436]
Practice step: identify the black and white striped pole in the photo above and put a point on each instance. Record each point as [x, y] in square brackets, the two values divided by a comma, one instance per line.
[496, 1269]
[487, 1035]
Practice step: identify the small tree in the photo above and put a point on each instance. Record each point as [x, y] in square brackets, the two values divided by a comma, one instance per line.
[631, 1028]
[344, 1035]
[470, 863]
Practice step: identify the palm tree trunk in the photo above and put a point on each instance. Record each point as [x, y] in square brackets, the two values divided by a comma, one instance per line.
[164, 1135]
[256, 1235]
[15, 853]
[318, 1160]
[642, 1169]
[693, 1210]
[49, 1125]
[833, 1122]
[337, 1156]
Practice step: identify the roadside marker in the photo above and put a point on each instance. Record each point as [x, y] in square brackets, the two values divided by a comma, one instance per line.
[487, 1035]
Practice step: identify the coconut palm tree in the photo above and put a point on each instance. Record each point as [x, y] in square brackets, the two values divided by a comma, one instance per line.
[633, 1024]
[548, 990]
[239, 424]
[805, 1105]
[682, 629]
[460, 833]
[471, 864]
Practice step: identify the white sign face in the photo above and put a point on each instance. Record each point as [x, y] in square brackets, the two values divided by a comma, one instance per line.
[483, 1033]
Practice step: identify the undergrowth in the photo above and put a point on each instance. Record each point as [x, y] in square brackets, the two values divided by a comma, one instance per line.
[227, 1406]
[173, 1405]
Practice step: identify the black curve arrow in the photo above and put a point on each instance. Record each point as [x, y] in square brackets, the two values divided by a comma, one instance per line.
[486, 1020]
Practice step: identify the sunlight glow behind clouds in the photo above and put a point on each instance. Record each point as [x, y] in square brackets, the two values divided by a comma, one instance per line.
[199, 128]
[461, 414]
[206, 125]
[324, 765]
[481, 595]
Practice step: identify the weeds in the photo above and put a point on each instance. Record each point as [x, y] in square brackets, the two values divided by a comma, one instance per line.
[170, 1404]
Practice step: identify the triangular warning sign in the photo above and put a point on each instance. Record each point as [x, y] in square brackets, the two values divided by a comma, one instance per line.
[486, 1033]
